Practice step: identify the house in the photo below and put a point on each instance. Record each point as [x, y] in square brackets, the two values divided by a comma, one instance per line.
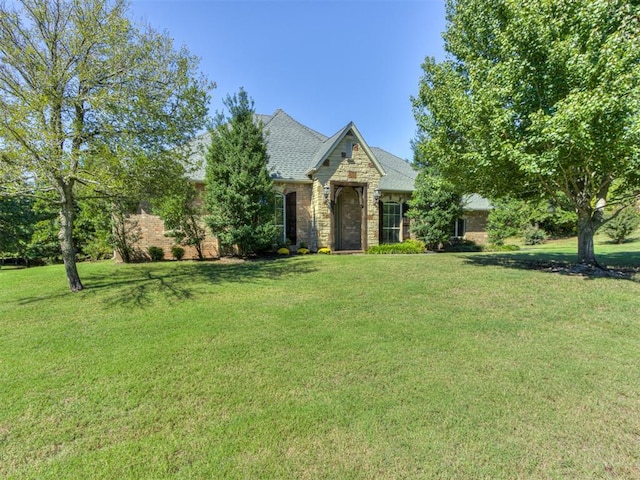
[336, 192]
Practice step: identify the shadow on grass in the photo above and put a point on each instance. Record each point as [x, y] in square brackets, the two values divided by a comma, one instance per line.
[619, 265]
[183, 281]
[140, 285]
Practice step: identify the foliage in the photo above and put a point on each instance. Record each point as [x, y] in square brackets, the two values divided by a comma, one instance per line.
[303, 251]
[125, 231]
[92, 106]
[324, 251]
[536, 98]
[458, 245]
[181, 211]
[156, 254]
[434, 207]
[409, 246]
[16, 225]
[534, 235]
[93, 228]
[283, 251]
[239, 189]
[619, 226]
[505, 220]
[512, 217]
[177, 252]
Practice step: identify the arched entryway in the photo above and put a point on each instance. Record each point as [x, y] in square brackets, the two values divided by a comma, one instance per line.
[348, 218]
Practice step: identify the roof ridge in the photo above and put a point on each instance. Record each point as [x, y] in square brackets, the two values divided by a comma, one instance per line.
[315, 133]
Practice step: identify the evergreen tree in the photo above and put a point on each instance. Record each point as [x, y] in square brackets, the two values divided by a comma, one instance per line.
[239, 189]
[434, 207]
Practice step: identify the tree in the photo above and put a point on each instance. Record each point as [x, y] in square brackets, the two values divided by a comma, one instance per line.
[434, 207]
[622, 224]
[239, 189]
[16, 225]
[535, 98]
[93, 104]
[181, 212]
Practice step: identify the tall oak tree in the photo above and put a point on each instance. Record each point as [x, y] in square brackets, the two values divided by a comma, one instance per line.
[92, 105]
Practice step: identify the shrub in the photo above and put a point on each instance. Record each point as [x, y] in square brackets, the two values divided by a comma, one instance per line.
[534, 235]
[155, 253]
[303, 251]
[283, 251]
[619, 228]
[463, 246]
[303, 246]
[407, 247]
[325, 251]
[177, 252]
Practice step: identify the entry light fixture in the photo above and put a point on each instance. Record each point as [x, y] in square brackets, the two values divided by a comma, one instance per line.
[376, 194]
[326, 191]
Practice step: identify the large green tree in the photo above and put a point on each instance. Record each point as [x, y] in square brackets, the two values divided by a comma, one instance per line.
[239, 189]
[92, 104]
[537, 97]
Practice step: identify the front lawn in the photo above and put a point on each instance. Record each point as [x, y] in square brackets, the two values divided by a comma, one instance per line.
[426, 366]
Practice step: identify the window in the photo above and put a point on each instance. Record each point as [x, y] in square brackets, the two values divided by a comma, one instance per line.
[349, 149]
[391, 222]
[459, 228]
[285, 218]
[290, 218]
[279, 217]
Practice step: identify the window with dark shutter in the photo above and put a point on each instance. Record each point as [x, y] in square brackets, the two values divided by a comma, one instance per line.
[291, 231]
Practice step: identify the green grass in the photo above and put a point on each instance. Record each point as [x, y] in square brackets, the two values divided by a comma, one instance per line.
[429, 366]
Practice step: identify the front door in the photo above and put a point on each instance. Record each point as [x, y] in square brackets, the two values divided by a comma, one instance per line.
[348, 220]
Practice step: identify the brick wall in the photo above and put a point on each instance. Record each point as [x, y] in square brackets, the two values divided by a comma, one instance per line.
[151, 231]
[476, 226]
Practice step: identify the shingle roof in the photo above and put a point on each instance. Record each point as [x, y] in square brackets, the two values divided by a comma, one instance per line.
[294, 149]
[400, 176]
[476, 202]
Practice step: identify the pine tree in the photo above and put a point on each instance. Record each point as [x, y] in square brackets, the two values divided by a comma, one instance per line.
[239, 189]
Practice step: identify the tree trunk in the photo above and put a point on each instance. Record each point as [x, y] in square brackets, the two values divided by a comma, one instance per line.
[586, 231]
[67, 217]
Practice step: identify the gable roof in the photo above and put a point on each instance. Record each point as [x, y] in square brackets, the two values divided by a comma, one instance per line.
[296, 150]
[330, 145]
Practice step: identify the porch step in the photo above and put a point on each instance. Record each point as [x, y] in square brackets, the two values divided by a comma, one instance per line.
[348, 252]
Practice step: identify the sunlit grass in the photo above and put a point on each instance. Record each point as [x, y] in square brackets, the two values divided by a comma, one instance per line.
[432, 366]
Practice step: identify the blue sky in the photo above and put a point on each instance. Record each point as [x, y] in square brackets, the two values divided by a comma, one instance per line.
[325, 63]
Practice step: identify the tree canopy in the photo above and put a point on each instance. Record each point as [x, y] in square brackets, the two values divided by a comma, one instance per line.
[538, 97]
[239, 189]
[92, 105]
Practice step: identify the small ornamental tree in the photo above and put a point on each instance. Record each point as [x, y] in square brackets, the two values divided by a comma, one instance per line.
[434, 208]
[182, 214]
[239, 189]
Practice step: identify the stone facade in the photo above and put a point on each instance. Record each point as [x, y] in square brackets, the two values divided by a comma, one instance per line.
[340, 172]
